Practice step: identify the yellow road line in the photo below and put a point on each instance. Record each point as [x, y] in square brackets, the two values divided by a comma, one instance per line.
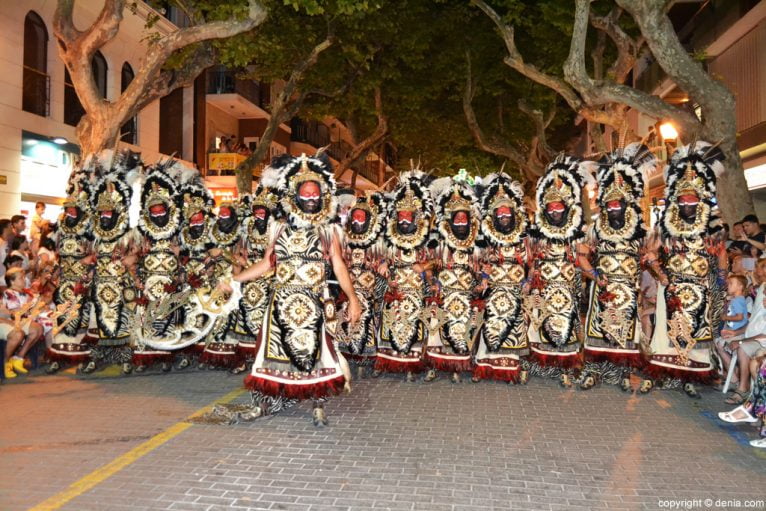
[102, 473]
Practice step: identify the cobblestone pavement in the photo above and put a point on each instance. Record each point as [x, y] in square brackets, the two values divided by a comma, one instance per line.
[390, 445]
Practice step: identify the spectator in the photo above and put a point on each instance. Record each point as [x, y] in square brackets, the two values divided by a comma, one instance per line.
[15, 261]
[754, 337]
[734, 244]
[6, 232]
[744, 266]
[15, 298]
[735, 318]
[46, 254]
[224, 147]
[18, 224]
[38, 223]
[753, 236]
[20, 248]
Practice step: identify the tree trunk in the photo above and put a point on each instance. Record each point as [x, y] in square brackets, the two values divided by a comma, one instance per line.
[96, 134]
[245, 169]
[734, 198]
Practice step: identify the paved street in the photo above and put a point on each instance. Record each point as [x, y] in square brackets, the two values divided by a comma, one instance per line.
[390, 445]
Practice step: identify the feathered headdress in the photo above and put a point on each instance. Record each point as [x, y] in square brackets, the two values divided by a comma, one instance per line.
[112, 192]
[451, 196]
[692, 171]
[159, 197]
[290, 172]
[78, 197]
[622, 177]
[564, 182]
[197, 209]
[412, 196]
[499, 190]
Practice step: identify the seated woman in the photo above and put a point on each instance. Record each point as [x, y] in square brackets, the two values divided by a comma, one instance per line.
[754, 410]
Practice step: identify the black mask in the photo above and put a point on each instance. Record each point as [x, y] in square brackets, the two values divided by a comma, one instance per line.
[313, 204]
[260, 219]
[504, 224]
[616, 216]
[227, 224]
[461, 230]
[72, 221]
[556, 217]
[160, 216]
[357, 226]
[688, 212]
[106, 220]
[404, 226]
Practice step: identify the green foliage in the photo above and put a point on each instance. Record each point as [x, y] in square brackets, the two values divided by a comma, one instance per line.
[415, 51]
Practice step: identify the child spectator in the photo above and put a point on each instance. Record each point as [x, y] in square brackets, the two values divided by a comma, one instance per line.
[38, 222]
[735, 318]
[15, 261]
[20, 248]
[46, 254]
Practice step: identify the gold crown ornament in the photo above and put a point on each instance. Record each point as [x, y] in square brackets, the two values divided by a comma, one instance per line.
[691, 182]
[409, 202]
[617, 190]
[193, 204]
[158, 195]
[306, 174]
[457, 202]
[557, 192]
[110, 199]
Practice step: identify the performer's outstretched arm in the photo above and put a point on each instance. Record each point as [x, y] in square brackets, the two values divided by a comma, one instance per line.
[258, 269]
[344, 280]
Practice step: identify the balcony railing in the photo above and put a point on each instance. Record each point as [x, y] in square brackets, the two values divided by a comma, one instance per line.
[225, 81]
[309, 132]
[368, 170]
[36, 92]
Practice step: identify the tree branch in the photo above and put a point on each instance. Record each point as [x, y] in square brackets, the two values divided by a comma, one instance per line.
[284, 107]
[540, 152]
[516, 61]
[493, 145]
[670, 54]
[363, 147]
[171, 79]
[181, 38]
[103, 30]
[63, 26]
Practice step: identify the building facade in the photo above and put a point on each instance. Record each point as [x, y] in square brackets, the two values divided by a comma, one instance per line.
[39, 109]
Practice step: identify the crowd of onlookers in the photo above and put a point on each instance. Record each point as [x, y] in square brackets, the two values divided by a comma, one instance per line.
[741, 341]
[28, 272]
[231, 145]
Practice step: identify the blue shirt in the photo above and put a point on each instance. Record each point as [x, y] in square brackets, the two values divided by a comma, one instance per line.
[737, 305]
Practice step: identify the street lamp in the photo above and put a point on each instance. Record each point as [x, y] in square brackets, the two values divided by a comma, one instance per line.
[668, 131]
